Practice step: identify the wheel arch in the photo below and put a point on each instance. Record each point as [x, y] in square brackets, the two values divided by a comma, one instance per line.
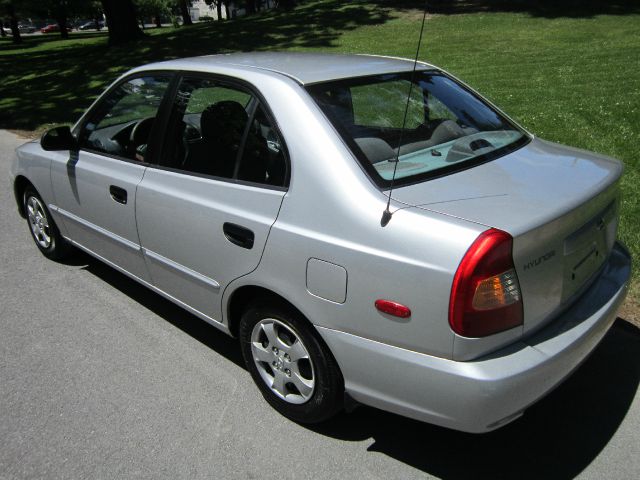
[20, 184]
[246, 294]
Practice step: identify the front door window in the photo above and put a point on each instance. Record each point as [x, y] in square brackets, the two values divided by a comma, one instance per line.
[121, 124]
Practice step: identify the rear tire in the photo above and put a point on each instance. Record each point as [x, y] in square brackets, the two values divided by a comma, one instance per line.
[294, 370]
[44, 230]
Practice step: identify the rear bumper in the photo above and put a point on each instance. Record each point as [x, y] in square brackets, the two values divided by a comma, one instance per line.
[484, 394]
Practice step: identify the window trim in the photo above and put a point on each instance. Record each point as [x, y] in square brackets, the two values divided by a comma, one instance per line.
[257, 100]
[158, 126]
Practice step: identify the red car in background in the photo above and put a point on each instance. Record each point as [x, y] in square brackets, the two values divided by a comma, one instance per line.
[54, 27]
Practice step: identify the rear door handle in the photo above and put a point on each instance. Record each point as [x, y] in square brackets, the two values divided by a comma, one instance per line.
[238, 235]
[118, 194]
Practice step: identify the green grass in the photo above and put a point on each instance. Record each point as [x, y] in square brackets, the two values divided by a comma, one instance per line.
[569, 76]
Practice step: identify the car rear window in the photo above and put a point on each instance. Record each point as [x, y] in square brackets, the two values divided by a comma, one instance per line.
[447, 127]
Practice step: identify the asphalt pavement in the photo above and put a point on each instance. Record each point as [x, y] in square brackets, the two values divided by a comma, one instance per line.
[101, 378]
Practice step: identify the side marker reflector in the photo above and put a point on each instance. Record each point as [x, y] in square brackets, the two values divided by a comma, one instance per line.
[393, 308]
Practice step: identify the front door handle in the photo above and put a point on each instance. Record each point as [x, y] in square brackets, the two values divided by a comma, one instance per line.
[238, 235]
[118, 194]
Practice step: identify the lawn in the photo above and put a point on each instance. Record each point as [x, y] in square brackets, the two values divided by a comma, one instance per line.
[571, 76]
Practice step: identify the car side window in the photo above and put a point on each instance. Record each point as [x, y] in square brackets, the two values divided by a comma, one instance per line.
[223, 131]
[122, 122]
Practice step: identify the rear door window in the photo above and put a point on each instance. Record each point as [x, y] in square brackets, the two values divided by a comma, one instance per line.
[222, 130]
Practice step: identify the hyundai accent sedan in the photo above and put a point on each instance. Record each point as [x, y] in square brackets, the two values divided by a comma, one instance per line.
[372, 232]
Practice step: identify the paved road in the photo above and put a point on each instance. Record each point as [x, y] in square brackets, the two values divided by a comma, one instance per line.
[100, 378]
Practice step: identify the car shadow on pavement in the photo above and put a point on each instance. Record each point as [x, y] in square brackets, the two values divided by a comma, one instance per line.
[556, 438]
[178, 317]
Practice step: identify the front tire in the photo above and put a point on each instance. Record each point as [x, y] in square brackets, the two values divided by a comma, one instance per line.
[43, 229]
[294, 370]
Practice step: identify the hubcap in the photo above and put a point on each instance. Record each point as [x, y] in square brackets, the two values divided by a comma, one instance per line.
[38, 222]
[282, 361]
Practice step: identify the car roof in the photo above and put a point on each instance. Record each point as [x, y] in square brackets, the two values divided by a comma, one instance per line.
[305, 68]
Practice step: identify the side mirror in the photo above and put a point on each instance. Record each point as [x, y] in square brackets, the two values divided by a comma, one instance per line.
[58, 138]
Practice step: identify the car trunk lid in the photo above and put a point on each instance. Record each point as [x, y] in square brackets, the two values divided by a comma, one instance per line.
[560, 204]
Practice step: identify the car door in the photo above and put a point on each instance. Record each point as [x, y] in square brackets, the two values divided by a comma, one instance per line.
[95, 187]
[204, 213]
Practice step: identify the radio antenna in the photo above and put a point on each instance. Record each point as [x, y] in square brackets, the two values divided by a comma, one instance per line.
[386, 215]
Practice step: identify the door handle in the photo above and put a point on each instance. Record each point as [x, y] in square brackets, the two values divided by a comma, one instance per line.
[118, 194]
[238, 235]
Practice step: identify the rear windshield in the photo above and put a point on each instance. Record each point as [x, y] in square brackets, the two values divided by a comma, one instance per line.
[447, 128]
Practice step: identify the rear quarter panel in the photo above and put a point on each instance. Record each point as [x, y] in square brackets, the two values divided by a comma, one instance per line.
[332, 213]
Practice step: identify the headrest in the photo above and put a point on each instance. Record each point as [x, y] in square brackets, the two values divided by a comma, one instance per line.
[224, 120]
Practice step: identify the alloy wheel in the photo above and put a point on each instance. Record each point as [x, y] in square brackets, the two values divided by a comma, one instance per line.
[282, 361]
[38, 222]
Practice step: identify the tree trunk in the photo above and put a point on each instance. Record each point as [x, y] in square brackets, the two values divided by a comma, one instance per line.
[121, 21]
[226, 10]
[2, 32]
[219, 11]
[250, 7]
[184, 10]
[61, 18]
[13, 22]
[287, 4]
[158, 19]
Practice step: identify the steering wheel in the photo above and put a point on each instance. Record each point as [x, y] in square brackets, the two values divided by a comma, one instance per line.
[139, 137]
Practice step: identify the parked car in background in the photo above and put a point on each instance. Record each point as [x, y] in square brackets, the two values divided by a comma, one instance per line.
[250, 190]
[91, 25]
[53, 27]
[26, 28]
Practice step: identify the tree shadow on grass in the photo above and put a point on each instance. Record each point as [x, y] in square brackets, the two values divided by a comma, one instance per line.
[55, 86]
[6, 44]
[536, 8]
[556, 438]
[44, 86]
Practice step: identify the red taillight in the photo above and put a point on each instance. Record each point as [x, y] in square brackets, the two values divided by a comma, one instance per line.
[485, 296]
[393, 308]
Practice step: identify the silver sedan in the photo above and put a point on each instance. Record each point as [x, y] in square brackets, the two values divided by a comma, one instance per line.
[372, 230]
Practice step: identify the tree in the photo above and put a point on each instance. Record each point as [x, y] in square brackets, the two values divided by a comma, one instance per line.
[86, 9]
[60, 13]
[184, 11]
[218, 4]
[8, 7]
[155, 9]
[121, 20]
[286, 4]
[61, 10]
